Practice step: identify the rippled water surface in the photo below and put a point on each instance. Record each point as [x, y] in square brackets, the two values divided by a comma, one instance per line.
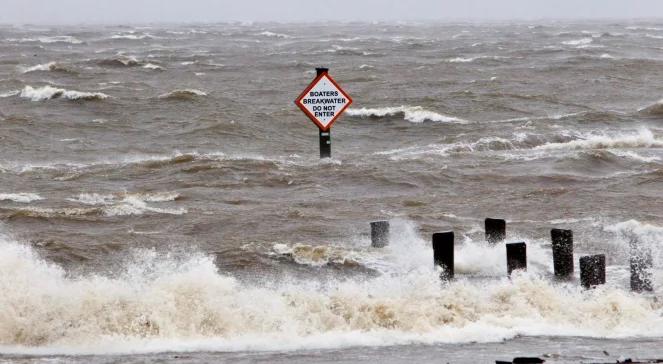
[162, 198]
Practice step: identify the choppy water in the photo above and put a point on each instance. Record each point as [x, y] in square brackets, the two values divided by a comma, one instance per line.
[160, 193]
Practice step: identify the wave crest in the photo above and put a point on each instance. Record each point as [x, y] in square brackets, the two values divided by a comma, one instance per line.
[184, 94]
[46, 67]
[415, 114]
[20, 197]
[50, 92]
[644, 138]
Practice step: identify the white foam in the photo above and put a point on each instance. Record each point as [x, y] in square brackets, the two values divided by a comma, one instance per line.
[443, 150]
[577, 42]
[93, 199]
[472, 59]
[183, 94]
[126, 204]
[159, 302]
[635, 156]
[643, 138]
[274, 35]
[152, 66]
[415, 114]
[48, 40]
[40, 67]
[49, 92]
[131, 36]
[9, 93]
[20, 197]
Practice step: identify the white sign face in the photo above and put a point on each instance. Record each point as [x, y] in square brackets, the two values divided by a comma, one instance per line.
[324, 101]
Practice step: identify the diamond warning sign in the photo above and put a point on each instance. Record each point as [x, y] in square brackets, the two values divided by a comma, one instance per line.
[323, 101]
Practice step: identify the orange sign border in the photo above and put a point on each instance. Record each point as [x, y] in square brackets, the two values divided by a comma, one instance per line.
[315, 120]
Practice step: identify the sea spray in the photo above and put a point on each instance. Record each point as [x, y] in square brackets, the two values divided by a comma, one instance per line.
[161, 301]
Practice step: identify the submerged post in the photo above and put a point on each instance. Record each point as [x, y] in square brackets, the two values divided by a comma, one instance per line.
[592, 270]
[325, 135]
[379, 234]
[325, 144]
[495, 230]
[443, 253]
[562, 247]
[641, 264]
[516, 257]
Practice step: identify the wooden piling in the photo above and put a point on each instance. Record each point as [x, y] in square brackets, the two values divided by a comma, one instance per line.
[562, 247]
[443, 253]
[592, 270]
[495, 230]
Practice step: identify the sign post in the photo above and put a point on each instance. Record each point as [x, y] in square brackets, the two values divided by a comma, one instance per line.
[323, 101]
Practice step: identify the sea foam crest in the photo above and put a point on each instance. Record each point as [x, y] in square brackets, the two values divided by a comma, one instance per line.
[50, 66]
[183, 94]
[578, 42]
[49, 40]
[50, 92]
[415, 114]
[274, 35]
[643, 138]
[20, 197]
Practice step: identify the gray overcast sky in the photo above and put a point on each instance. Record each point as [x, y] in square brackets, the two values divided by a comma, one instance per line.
[138, 11]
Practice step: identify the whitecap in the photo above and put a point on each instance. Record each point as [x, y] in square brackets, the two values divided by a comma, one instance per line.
[577, 42]
[20, 197]
[415, 114]
[49, 92]
[183, 94]
[274, 35]
[154, 67]
[643, 138]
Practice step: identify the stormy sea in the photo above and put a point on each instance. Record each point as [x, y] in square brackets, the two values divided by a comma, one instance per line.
[162, 198]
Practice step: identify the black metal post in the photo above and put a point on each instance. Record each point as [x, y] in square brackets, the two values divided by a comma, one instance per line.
[562, 247]
[325, 144]
[325, 135]
[592, 270]
[379, 234]
[495, 230]
[443, 253]
[516, 257]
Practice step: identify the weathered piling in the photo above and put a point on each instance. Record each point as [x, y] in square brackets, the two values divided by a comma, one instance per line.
[592, 270]
[379, 234]
[516, 257]
[562, 247]
[495, 230]
[443, 253]
[641, 265]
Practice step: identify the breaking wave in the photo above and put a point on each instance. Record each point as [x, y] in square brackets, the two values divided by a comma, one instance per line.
[9, 93]
[578, 42]
[162, 302]
[415, 114]
[121, 204]
[20, 197]
[49, 40]
[274, 35]
[644, 138]
[131, 36]
[152, 66]
[50, 66]
[120, 61]
[49, 92]
[655, 109]
[184, 94]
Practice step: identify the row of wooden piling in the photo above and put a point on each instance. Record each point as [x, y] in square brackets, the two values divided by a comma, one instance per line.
[592, 267]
